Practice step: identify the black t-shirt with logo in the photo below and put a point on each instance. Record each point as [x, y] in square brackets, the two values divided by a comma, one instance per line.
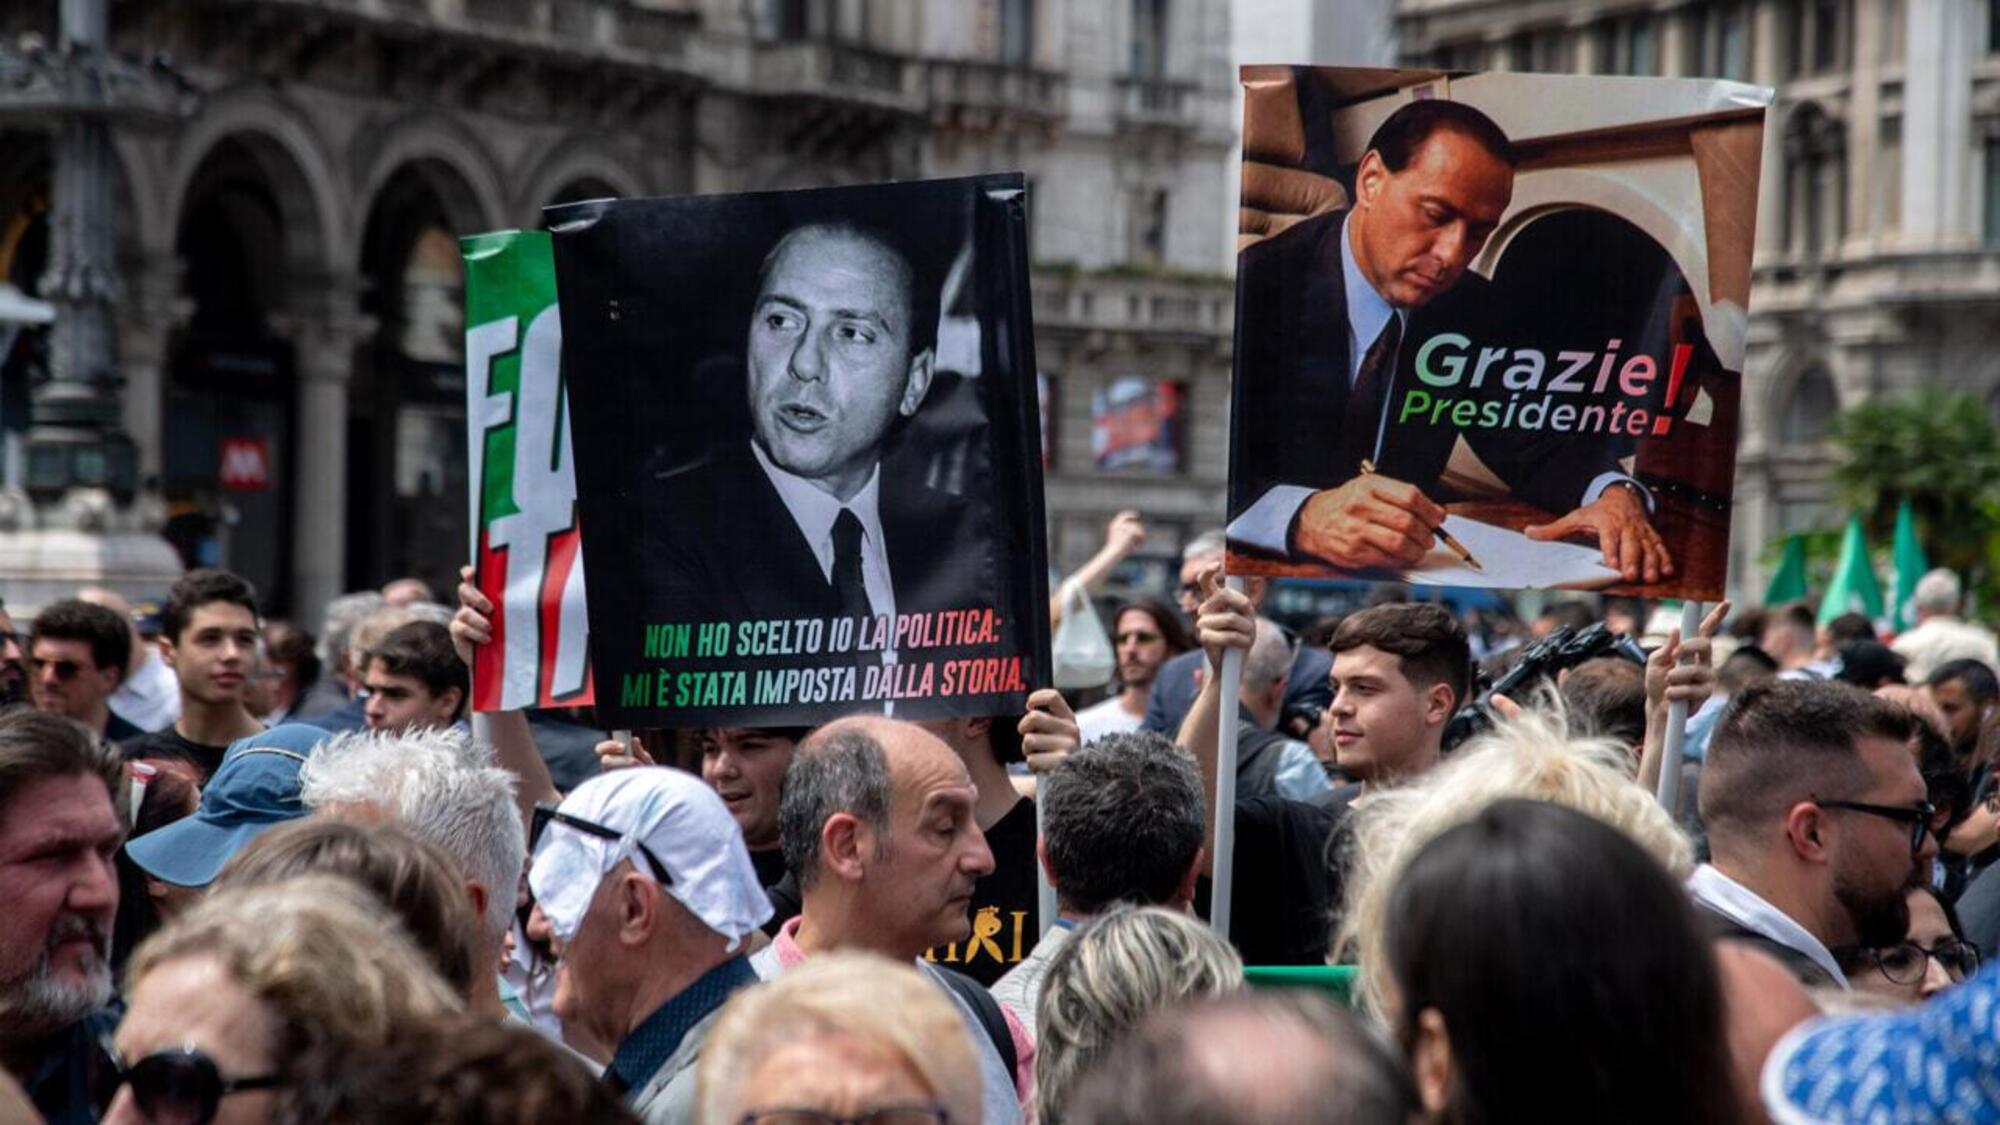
[168, 743]
[1005, 917]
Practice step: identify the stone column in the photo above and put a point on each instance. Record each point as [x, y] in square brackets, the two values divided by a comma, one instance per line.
[326, 328]
[151, 312]
[1937, 123]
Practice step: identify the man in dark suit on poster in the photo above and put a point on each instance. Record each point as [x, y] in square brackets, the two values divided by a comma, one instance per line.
[1329, 314]
[803, 520]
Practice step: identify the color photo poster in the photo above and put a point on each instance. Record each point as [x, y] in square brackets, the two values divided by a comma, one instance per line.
[1490, 327]
[810, 417]
[526, 545]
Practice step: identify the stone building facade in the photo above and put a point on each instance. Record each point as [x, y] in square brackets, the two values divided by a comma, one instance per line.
[288, 255]
[1877, 263]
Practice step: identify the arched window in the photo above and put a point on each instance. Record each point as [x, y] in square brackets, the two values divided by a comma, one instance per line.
[1811, 407]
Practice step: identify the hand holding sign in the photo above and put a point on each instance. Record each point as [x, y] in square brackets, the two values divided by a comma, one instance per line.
[1371, 521]
[1049, 732]
[1225, 619]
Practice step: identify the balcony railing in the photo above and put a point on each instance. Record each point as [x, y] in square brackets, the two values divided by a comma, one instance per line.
[1156, 101]
[820, 69]
[1110, 302]
[955, 86]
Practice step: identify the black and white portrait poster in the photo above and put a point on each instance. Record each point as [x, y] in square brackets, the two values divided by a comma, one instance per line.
[807, 422]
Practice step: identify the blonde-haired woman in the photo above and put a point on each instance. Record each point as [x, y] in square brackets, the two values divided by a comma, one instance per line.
[852, 1036]
[1531, 756]
[225, 996]
[1104, 980]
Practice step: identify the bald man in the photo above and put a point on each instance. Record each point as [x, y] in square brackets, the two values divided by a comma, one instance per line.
[878, 824]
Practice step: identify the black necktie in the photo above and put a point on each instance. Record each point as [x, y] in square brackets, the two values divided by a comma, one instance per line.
[1363, 419]
[847, 583]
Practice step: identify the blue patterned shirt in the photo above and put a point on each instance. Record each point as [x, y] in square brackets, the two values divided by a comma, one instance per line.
[659, 1035]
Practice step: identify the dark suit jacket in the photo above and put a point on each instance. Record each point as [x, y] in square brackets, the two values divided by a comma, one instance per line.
[736, 554]
[1292, 363]
[1721, 928]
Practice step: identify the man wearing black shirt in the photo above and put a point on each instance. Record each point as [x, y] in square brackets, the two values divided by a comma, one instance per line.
[209, 638]
[1006, 919]
[1399, 672]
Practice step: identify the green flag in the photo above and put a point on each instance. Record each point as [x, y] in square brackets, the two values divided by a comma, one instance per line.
[1910, 566]
[1788, 582]
[1854, 588]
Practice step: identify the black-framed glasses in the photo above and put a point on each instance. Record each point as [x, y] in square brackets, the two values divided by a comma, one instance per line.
[183, 1086]
[883, 1115]
[545, 814]
[1917, 816]
[1907, 962]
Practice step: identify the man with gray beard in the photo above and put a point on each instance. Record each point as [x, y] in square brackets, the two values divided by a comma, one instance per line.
[59, 829]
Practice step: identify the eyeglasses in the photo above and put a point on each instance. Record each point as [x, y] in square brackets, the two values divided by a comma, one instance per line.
[65, 670]
[183, 1087]
[1917, 816]
[885, 1115]
[544, 814]
[1906, 963]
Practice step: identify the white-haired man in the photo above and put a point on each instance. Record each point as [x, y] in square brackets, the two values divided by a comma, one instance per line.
[440, 786]
[1940, 637]
[1270, 762]
[646, 892]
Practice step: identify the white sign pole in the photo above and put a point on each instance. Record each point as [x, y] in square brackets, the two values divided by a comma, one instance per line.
[1225, 787]
[1677, 722]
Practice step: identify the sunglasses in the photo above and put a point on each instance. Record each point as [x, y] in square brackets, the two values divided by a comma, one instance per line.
[1917, 816]
[183, 1087]
[65, 670]
[548, 814]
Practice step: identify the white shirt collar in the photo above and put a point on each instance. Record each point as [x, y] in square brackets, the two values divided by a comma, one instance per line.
[1367, 310]
[1749, 909]
[814, 510]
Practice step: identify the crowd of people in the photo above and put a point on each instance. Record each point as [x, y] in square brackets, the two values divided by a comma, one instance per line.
[247, 874]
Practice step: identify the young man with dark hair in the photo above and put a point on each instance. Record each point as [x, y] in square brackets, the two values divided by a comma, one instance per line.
[209, 639]
[1817, 824]
[77, 655]
[414, 679]
[1968, 693]
[1399, 673]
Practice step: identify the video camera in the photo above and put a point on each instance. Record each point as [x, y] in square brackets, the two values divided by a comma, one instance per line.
[1543, 660]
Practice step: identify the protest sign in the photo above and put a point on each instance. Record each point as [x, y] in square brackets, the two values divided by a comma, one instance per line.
[810, 420]
[526, 544]
[1515, 303]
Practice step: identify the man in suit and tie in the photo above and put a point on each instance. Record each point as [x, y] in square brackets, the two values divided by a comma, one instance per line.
[1324, 310]
[803, 520]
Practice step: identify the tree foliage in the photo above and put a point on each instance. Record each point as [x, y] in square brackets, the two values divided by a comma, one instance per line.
[1940, 449]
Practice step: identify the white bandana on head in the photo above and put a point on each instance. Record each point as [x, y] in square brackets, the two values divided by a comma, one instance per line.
[677, 818]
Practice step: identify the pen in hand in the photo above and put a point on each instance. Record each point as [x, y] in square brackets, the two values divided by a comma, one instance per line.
[1445, 537]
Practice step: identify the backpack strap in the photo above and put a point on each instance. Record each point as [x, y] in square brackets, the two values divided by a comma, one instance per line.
[987, 1009]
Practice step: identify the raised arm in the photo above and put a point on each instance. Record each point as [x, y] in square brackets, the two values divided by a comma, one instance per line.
[1225, 621]
[513, 743]
[1668, 680]
[1121, 537]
